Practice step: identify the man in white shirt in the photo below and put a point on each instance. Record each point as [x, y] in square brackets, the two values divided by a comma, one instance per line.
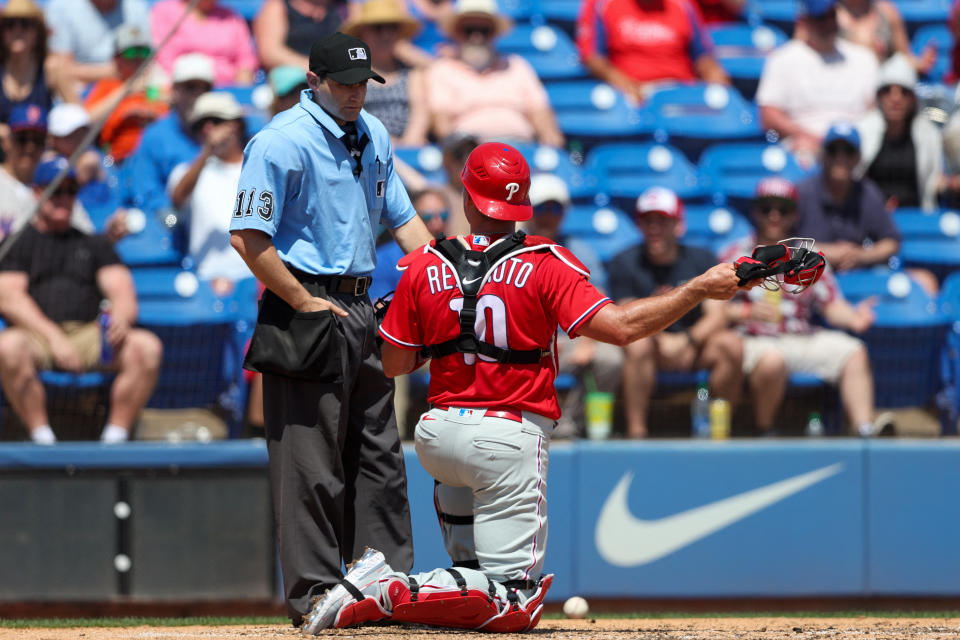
[814, 80]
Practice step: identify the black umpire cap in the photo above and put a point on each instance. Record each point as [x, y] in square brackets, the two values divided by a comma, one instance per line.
[344, 58]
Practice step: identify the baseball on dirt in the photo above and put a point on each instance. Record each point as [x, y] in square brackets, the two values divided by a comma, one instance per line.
[575, 607]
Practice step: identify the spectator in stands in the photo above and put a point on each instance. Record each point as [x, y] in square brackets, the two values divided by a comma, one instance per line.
[634, 44]
[950, 183]
[585, 358]
[28, 136]
[170, 140]
[51, 285]
[845, 215]
[211, 29]
[456, 147]
[207, 187]
[878, 26]
[901, 149]
[286, 83]
[127, 112]
[815, 80]
[780, 336]
[384, 24]
[953, 22]
[720, 11]
[25, 78]
[699, 340]
[286, 29]
[81, 36]
[68, 126]
[481, 92]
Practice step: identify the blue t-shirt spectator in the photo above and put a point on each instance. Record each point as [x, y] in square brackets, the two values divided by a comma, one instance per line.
[164, 145]
[861, 217]
[81, 30]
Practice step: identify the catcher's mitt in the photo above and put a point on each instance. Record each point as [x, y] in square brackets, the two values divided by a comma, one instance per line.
[381, 305]
[789, 262]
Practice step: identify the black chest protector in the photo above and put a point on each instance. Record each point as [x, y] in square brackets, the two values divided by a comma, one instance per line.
[471, 269]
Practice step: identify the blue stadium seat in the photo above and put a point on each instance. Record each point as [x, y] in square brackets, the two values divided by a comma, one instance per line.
[428, 160]
[545, 159]
[714, 228]
[782, 13]
[915, 224]
[949, 398]
[917, 13]
[905, 341]
[623, 171]
[742, 49]
[694, 116]
[246, 8]
[560, 11]
[154, 245]
[517, 10]
[429, 37]
[594, 112]
[937, 35]
[549, 51]
[941, 256]
[733, 170]
[608, 230]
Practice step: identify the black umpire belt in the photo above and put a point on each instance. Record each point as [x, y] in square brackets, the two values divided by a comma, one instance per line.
[352, 285]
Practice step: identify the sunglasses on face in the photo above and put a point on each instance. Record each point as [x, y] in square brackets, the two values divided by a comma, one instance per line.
[838, 148]
[29, 136]
[18, 23]
[385, 27]
[784, 207]
[135, 53]
[429, 215]
[887, 89]
[484, 30]
[70, 189]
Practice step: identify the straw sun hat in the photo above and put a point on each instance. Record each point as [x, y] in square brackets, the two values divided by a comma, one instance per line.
[22, 9]
[373, 12]
[476, 9]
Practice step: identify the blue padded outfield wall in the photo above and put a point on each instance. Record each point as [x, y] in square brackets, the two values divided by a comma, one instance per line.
[683, 519]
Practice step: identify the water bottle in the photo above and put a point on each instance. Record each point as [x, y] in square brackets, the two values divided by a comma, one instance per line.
[700, 412]
[106, 351]
[719, 419]
[814, 426]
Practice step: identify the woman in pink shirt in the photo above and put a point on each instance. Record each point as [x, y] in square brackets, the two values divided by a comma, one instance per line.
[211, 29]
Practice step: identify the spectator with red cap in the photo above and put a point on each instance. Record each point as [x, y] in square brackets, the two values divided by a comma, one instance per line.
[815, 80]
[780, 337]
[632, 44]
[698, 340]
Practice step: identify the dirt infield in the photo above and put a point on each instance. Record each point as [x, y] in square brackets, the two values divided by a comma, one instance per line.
[603, 629]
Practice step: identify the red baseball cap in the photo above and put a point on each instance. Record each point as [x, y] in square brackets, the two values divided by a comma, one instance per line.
[497, 177]
[776, 187]
[660, 200]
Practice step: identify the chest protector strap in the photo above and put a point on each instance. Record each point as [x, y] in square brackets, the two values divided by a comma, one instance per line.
[471, 268]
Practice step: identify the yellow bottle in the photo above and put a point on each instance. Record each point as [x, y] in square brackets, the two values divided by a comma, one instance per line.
[719, 419]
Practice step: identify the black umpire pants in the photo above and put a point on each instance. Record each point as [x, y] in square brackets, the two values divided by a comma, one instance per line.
[336, 465]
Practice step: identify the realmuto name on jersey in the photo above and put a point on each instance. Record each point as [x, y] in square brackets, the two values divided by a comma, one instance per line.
[513, 271]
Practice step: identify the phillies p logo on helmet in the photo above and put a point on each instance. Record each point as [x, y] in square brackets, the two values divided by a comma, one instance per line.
[512, 188]
[497, 178]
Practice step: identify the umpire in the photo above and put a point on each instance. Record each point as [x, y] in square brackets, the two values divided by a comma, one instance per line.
[315, 184]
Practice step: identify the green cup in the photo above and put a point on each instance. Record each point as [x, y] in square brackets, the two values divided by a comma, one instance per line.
[599, 407]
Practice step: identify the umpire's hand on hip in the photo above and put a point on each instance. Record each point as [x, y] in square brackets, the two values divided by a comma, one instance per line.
[321, 304]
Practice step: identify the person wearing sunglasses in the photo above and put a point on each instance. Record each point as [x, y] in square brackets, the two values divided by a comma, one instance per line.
[780, 336]
[25, 147]
[52, 283]
[814, 80]
[584, 357]
[846, 215]
[479, 91]
[901, 149]
[126, 115]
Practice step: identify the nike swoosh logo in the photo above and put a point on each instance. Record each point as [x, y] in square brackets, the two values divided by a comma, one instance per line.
[624, 540]
[471, 281]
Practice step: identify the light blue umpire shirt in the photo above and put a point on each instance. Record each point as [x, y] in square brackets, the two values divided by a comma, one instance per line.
[298, 186]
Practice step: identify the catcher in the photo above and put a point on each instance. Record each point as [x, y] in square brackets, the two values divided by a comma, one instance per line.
[485, 308]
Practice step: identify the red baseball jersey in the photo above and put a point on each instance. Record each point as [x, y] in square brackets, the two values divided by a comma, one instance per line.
[519, 307]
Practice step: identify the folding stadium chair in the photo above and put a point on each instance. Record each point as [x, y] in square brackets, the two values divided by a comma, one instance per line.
[695, 116]
[428, 160]
[916, 224]
[949, 397]
[591, 112]
[937, 35]
[733, 170]
[545, 159]
[905, 341]
[741, 50]
[562, 12]
[608, 230]
[780, 13]
[155, 244]
[714, 228]
[623, 171]
[201, 357]
[917, 13]
[549, 51]
[940, 256]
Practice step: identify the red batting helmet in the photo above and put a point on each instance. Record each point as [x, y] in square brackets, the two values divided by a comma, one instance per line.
[498, 178]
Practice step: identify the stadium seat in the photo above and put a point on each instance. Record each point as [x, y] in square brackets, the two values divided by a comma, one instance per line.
[593, 112]
[733, 170]
[905, 341]
[549, 51]
[564, 12]
[940, 256]
[697, 115]
[949, 397]
[428, 160]
[917, 13]
[545, 159]
[938, 36]
[246, 8]
[714, 228]
[429, 37]
[608, 230]
[154, 245]
[742, 49]
[915, 224]
[623, 171]
[781, 13]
